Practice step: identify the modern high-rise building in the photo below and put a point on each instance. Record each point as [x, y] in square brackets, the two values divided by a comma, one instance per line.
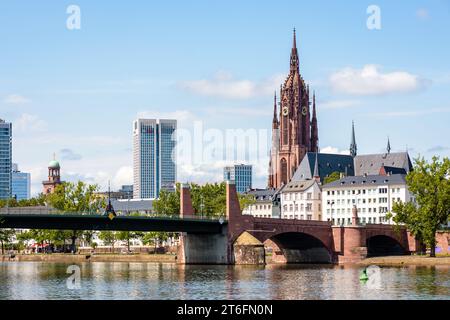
[241, 174]
[5, 159]
[21, 183]
[154, 151]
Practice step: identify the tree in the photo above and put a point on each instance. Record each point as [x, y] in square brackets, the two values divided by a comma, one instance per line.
[430, 185]
[208, 200]
[108, 237]
[155, 238]
[128, 236]
[334, 176]
[77, 198]
[6, 237]
[168, 203]
[246, 200]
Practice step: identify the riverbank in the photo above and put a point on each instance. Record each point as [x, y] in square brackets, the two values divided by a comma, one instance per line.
[406, 261]
[77, 258]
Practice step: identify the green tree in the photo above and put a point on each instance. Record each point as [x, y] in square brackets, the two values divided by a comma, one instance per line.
[6, 237]
[208, 200]
[77, 198]
[430, 185]
[168, 203]
[108, 237]
[128, 236]
[334, 176]
[154, 238]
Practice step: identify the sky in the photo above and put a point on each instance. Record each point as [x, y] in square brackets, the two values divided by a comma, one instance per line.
[75, 92]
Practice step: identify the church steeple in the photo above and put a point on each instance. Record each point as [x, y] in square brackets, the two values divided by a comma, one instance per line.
[353, 147]
[314, 128]
[275, 116]
[294, 54]
[388, 148]
[316, 168]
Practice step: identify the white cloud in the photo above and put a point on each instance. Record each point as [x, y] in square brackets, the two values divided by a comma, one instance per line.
[422, 14]
[333, 150]
[123, 176]
[30, 123]
[225, 86]
[16, 99]
[339, 104]
[254, 112]
[370, 81]
[413, 113]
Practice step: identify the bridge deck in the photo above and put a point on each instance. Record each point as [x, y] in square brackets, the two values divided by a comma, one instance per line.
[103, 223]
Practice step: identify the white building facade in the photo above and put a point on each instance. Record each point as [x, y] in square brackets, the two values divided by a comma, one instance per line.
[373, 196]
[301, 200]
[264, 204]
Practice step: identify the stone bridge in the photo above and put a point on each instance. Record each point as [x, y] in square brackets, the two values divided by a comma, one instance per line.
[245, 239]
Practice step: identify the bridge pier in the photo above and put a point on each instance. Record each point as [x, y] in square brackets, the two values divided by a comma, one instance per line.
[200, 248]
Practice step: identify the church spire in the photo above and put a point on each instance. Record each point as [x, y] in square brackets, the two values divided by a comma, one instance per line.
[316, 168]
[314, 128]
[294, 54]
[388, 149]
[275, 116]
[353, 147]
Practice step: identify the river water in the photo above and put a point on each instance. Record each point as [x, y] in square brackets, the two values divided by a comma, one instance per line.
[97, 280]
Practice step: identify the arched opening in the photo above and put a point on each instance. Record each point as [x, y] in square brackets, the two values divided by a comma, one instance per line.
[382, 245]
[295, 247]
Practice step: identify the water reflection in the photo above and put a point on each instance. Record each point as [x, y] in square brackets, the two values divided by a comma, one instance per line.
[38, 280]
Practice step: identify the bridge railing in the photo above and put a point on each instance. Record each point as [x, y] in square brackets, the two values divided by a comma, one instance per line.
[52, 211]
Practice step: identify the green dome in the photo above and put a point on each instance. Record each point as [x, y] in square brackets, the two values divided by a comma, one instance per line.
[53, 164]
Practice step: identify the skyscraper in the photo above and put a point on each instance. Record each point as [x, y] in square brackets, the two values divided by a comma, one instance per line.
[5, 159]
[154, 167]
[21, 183]
[294, 129]
[241, 174]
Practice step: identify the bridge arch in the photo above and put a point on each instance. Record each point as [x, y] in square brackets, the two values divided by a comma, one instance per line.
[384, 245]
[298, 247]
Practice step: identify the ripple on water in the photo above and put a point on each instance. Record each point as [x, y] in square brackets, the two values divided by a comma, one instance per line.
[42, 280]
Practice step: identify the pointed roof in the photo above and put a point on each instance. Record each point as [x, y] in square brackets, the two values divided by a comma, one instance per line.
[314, 105]
[275, 116]
[316, 167]
[294, 53]
[370, 164]
[326, 164]
[388, 149]
[353, 147]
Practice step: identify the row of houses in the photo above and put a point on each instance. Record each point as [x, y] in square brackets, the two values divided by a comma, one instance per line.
[371, 183]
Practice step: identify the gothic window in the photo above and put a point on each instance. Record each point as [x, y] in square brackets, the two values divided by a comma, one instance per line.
[285, 130]
[284, 172]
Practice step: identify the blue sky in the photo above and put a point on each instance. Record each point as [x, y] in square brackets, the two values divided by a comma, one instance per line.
[76, 92]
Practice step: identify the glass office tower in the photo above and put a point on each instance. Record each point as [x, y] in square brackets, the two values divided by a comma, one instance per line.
[154, 166]
[241, 174]
[21, 184]
[5, 159]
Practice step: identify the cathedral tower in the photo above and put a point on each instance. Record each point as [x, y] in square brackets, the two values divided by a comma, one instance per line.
[294, 131]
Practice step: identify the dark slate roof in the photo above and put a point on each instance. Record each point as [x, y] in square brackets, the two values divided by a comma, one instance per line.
[132, 205]
[371, 164]
[393, 170]
[372, 180]
[328, 163]
[261, 194]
